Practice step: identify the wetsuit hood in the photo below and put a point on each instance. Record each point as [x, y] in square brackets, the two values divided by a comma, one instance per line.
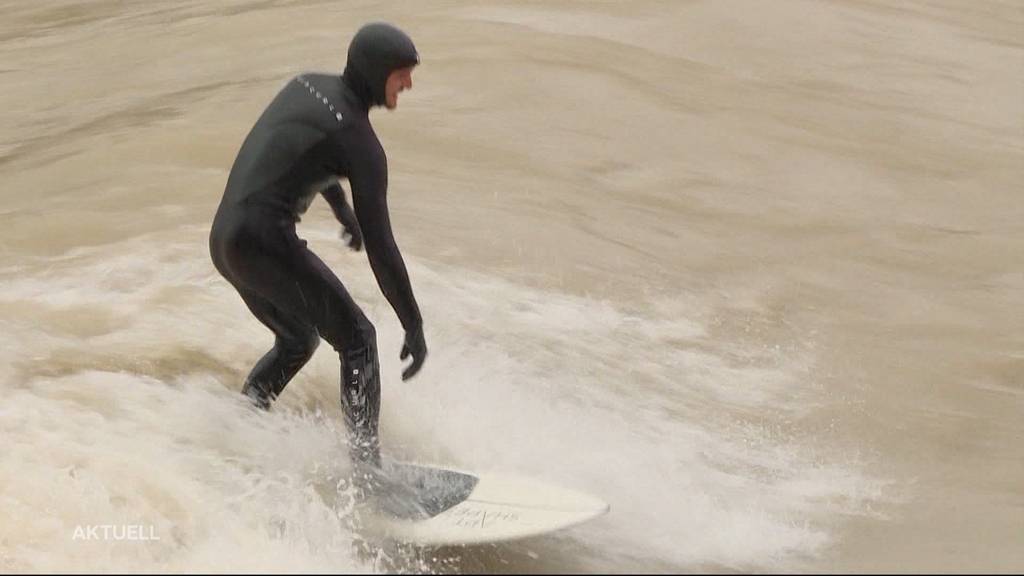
[377, 50]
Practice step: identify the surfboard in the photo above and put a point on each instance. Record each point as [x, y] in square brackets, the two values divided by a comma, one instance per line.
[429, 505]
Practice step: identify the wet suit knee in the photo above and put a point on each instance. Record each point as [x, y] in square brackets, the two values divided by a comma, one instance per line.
[278, 366]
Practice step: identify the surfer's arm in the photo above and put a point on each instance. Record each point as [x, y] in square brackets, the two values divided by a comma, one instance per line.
[369, 179]
[335, 196]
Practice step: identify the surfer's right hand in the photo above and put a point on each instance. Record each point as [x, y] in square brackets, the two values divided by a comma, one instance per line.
[352, 237]
[415, 346]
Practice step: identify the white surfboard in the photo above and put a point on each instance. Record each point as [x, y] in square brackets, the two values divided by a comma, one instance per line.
[436, 506]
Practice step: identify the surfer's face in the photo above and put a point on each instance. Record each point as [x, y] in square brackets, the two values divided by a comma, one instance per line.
[398, 81]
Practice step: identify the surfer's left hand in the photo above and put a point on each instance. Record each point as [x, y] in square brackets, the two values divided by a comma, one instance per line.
[415, 346]
[353, 238]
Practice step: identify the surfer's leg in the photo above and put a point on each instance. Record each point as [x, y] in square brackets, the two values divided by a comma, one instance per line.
[294, 343]
[346, 328]
[360, 400]
[253, 267]
[302, 294]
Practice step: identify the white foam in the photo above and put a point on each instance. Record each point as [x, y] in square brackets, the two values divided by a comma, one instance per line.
[140, 421]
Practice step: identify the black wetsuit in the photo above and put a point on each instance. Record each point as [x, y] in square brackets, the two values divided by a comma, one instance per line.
[315, 131]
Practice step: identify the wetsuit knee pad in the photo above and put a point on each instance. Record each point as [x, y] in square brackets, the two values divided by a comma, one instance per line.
[306, 346]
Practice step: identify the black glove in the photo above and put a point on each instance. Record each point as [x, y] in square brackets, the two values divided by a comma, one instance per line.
[416, 347]
[353, 237]
[350, 231]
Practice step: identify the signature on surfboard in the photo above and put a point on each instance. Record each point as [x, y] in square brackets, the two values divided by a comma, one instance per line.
[470, 517]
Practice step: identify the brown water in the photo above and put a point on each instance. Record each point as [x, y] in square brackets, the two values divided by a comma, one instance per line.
[752, 272]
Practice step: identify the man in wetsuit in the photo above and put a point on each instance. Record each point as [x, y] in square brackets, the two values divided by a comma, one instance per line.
[315, 131]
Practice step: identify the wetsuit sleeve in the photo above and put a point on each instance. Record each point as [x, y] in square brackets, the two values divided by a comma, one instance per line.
[335, 196]
[369, 179]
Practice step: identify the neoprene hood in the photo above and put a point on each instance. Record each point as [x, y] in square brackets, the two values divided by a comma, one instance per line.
[376, 51]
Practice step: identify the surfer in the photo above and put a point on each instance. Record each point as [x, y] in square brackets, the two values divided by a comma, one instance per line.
[315, 131]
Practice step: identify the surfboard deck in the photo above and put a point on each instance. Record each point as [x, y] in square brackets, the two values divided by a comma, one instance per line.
[430, 505]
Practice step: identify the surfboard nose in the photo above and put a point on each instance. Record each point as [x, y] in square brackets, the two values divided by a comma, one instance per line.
[509, 489]
[495, 508]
